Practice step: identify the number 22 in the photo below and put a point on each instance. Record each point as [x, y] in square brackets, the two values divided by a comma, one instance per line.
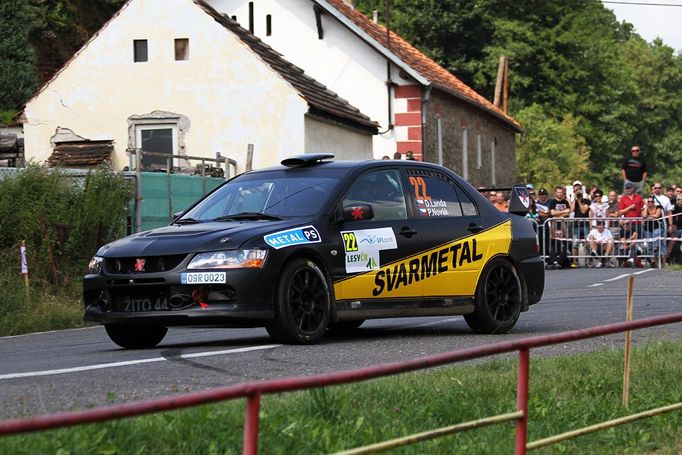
[419, 188]
[351, 243]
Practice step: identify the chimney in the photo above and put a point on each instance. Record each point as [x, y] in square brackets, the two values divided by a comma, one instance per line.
[375, 16]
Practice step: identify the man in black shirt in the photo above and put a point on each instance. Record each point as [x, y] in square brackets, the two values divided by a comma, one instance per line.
[634, 169]
[559, 207]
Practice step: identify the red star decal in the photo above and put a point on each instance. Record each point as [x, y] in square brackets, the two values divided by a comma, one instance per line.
[139, 265]
[357, 213]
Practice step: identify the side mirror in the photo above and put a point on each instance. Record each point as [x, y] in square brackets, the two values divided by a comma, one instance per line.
[519, 200]
[176, 215]
[358, 212]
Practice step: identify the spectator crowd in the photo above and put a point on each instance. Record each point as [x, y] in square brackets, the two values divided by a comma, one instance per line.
[634, 226]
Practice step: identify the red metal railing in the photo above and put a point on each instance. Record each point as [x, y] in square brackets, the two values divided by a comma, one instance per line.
[253, 391]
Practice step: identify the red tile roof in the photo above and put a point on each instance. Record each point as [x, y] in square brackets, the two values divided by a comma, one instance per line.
[419, 62]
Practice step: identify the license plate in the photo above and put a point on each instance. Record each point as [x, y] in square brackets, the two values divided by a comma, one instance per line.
[203, 278]
[137, 304]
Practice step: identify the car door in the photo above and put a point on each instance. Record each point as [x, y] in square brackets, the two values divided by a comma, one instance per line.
[370, 248]
[449, 224]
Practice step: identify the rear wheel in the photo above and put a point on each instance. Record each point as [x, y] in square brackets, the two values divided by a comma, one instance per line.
[303, 304]
[498, 299]
[135, 336]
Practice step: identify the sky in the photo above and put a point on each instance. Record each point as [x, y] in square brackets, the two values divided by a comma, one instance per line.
[652, 21]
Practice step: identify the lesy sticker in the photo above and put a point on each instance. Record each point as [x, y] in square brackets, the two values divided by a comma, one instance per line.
[362, 248]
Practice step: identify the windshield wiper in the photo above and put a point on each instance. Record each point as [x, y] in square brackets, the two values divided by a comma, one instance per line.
[247, 216]
[186, 221]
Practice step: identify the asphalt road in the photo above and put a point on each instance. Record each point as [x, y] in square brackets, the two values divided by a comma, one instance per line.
[73, 369]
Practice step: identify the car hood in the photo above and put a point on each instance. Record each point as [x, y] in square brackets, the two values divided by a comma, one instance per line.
[195, 238]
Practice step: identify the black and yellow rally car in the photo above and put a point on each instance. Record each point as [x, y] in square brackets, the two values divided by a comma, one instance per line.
[317, 244]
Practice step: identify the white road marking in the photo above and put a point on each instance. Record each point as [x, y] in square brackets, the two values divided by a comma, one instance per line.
[621, 276]
[425, 324]
[47, 332]
[643, 271]
[618, 277]
[133, 362]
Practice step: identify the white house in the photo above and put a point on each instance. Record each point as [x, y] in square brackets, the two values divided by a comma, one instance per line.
[420, 106]
[175, 76]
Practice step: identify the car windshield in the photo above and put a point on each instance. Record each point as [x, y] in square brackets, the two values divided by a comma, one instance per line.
[265, 195]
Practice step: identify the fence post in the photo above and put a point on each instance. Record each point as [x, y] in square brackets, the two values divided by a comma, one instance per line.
[251, 424]
[522, 401]
[628, 342]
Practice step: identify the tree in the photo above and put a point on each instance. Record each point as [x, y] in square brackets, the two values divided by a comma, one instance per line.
[550, 152]
[17, 58]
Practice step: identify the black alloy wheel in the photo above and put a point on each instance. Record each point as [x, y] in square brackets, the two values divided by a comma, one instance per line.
[498, 299]
[135, 336]
[303, 305]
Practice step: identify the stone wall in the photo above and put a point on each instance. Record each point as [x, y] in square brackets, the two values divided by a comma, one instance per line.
[493, 133]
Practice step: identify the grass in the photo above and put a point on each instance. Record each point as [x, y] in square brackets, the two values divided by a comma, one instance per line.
[565, 393]
[39, 308]
[674, 267]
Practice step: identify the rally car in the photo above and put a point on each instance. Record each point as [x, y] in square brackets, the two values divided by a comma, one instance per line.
[317, 244]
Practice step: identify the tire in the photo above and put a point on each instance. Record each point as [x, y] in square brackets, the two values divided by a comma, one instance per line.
[498, 299]
[303, 304]
[135, 336]
[345, 326]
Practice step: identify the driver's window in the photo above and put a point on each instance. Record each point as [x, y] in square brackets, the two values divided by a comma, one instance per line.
[382, 190]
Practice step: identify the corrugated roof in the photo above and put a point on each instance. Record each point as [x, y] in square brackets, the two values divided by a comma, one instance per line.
[317, 95]
[415, 59]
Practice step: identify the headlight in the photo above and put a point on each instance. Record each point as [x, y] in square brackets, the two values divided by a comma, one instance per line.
[229, 259]
[95, 265]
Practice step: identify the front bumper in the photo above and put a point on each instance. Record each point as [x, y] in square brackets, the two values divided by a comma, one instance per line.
[161, 299]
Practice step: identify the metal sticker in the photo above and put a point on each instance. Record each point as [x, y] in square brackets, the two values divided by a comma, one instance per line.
[291, 237]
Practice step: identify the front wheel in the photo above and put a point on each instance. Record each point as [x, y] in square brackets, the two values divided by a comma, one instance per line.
[498, 299]
[303, 305]
[135, 336]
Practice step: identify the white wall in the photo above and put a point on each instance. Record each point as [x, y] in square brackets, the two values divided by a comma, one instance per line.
[342, 142]
[230, 97]
[341, 61]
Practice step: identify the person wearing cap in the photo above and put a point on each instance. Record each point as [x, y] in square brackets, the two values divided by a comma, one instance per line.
[581, 213]
[634, 169]
[630, 206]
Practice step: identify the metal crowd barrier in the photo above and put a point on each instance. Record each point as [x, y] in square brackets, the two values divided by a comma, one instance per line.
[637, 242]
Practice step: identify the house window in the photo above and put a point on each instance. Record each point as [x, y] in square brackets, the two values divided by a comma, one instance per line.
[160, 142]
[251, 17]
[182, 49]
[140, 50]
[465, 153]
[492, 160]
[479, 153]
[268, 25]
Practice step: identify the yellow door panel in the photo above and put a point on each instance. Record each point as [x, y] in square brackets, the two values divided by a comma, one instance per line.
[451, 269]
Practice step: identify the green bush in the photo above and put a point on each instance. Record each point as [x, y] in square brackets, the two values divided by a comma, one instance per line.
[63, 220]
